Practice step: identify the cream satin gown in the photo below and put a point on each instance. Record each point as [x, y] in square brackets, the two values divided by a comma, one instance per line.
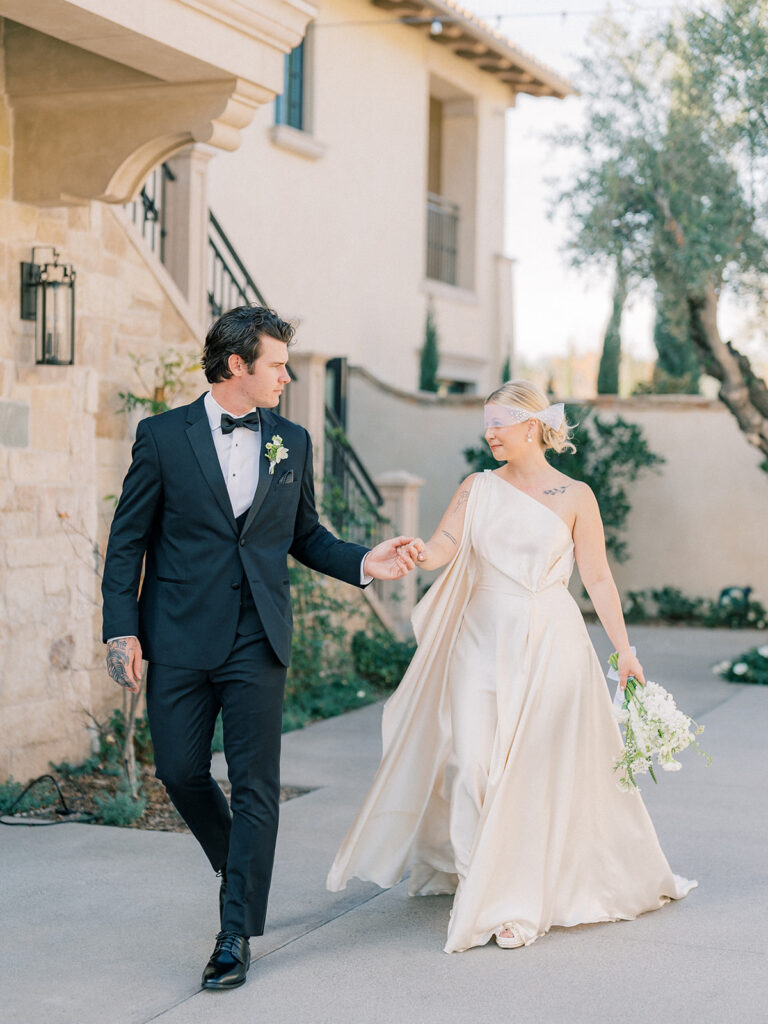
[533, 830]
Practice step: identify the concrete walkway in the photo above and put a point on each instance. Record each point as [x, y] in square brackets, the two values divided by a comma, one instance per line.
[113, 926]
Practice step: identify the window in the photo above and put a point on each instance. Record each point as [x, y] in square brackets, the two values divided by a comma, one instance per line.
[452, 181]
[289, 108]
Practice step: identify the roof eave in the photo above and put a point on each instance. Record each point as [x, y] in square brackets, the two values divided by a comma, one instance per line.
[471, 39]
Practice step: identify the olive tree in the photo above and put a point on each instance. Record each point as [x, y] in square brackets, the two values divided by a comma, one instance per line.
[669, 187]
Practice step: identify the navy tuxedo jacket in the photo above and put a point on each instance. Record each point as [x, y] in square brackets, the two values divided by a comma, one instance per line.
[174, 509]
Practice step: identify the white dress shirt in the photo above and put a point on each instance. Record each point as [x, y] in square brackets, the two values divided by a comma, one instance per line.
[239, 456]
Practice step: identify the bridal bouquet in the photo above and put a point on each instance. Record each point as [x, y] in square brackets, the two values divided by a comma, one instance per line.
[654, 727]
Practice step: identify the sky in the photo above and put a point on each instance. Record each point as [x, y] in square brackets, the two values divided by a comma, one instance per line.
[557, 309]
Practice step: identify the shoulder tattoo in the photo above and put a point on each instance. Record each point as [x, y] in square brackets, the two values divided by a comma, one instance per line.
[557, 490]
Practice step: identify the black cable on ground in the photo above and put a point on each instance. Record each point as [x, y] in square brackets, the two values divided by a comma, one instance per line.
[63, 811]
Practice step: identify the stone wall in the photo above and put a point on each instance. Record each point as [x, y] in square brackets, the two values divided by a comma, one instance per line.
[63, 447]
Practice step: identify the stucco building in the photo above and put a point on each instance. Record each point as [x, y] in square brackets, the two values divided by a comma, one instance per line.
[119, 183]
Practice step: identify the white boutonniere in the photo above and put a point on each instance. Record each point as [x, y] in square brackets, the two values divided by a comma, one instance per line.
[275, 452]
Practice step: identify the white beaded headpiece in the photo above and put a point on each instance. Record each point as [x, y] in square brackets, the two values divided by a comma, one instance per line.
[506, 415]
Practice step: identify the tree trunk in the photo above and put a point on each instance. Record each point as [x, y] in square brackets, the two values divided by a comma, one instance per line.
[129, 750]
[677, 362]
[741, 390]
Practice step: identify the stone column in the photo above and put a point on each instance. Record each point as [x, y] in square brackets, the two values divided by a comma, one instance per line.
[400, 491]
[306, 403]
[186, 244]
[505, 311]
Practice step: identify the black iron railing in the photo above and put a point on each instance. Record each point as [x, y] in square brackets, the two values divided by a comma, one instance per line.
[442, 239]
[148, 212]
[351, 499]
[229, 283]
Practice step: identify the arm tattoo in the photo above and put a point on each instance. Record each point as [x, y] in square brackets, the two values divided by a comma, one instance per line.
[462, 500]
[557, 490]
[450, 537]
[117, 662]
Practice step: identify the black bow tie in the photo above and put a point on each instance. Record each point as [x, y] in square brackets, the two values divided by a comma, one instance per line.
[251, 420]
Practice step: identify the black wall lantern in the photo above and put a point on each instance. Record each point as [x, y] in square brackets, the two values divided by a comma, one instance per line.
[48, 298]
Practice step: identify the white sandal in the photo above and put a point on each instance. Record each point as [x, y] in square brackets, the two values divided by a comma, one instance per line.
[511, 941]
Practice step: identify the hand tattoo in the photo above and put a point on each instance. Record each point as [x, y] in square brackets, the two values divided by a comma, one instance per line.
[557, 490]
[118, 659]
[450, 537]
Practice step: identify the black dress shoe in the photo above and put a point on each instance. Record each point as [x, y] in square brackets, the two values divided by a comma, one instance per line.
[229, 962]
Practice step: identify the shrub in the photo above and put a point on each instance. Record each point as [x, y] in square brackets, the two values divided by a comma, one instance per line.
[14, 799]
[321, 679]
[735, 609]
[673, 606]
[121, 809]
[635, 607]
[610, 454]
[71, 771]
[732, 609]
[142, 740]
[325, 700]
[381, 659]
[750, 667]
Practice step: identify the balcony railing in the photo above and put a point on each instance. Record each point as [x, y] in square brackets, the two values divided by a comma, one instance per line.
[442, 239]
[351, 499]
[229, 283]
[148, 212]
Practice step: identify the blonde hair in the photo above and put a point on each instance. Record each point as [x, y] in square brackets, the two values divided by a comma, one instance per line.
[524, 395]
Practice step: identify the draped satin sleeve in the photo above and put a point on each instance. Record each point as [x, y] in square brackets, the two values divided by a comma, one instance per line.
[382, 842]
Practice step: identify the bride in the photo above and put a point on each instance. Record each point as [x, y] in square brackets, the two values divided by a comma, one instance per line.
[496, 778]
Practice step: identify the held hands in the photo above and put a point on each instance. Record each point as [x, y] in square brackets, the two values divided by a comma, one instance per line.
[629, 666]
[392, 559]
[124, 662]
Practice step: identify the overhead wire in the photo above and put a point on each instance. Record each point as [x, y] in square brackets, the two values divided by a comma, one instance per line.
[447, 19]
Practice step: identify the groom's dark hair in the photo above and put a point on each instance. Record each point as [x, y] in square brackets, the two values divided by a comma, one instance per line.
[239, 332]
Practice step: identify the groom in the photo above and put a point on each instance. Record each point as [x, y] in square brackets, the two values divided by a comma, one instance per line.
[218, 493]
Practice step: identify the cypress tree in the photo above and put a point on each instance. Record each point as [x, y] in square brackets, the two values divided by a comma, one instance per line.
[608, 374]
[430, 357]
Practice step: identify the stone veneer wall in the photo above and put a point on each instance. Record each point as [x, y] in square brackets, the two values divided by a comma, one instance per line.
[63, 447]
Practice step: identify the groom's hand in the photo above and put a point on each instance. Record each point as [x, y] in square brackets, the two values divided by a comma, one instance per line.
[124, 662]
[390, 560]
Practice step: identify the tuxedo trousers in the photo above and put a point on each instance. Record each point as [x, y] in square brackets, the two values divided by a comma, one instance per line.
[182, 707]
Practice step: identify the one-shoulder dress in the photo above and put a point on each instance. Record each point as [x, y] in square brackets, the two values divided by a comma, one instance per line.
[553, 840]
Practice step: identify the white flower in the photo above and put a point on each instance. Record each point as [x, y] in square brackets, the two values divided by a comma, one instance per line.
[361, 693]
[740, 668]
[654, 728]
[721, 667]
[763, 651]
[275, 452]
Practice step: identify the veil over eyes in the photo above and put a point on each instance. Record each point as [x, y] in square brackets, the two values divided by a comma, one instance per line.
[495, 415]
